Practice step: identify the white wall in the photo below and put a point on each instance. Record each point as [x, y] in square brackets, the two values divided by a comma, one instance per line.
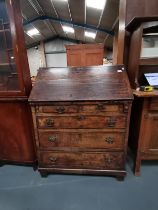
[34, 60]
[55, 59]
[56, 45]
[149, 52]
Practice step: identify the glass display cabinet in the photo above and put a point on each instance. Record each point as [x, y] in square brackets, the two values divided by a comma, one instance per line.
[16, 134]
[142, 60]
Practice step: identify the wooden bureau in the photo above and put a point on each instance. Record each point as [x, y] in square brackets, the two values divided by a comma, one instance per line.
[81, 120]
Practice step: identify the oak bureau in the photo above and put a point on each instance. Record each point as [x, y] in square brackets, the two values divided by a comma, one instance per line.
[81, 120]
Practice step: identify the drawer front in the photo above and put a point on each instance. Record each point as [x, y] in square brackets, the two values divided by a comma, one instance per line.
[84, 160]
[81, 121]
[59, 109]
[94, 108]
[154, 104]
[87, 139]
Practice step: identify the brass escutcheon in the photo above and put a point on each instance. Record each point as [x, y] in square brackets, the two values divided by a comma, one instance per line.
[109, 140]
[52, 138]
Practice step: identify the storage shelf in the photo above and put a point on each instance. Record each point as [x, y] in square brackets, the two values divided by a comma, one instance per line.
[149, 61]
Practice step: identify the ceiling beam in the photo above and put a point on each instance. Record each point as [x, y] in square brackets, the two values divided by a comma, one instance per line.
[71, 40]
[45, 17]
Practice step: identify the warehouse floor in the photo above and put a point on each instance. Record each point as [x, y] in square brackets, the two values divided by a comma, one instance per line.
[23, 189]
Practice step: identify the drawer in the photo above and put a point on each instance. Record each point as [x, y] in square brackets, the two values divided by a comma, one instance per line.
[154, 104]
[84, 160]
[80, 108]
[81, 121]
[81, 139]
[59, 109]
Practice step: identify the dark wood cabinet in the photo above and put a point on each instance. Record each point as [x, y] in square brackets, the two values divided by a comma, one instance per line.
[143, 138]
[16, 133]
[85, 54]
[16, 136]
[81, 119]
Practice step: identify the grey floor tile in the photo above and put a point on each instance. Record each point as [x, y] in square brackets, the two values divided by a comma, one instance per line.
[23, 189]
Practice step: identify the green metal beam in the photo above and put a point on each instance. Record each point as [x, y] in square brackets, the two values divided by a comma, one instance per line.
[45, 17]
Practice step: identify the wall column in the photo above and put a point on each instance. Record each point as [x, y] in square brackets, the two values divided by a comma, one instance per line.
[43, 62]
[119, 38]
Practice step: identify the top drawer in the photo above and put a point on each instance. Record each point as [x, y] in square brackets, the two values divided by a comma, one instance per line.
[154, 104]
[81, 108]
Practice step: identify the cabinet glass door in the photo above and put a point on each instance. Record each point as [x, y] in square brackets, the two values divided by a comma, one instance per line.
[9, 80]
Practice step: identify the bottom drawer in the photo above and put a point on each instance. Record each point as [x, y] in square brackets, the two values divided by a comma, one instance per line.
[84, 160]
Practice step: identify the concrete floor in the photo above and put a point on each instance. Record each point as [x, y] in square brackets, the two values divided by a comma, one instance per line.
[23, 189]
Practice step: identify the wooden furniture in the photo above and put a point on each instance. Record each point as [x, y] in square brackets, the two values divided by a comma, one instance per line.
[16, 133]
[85, 54]
[81, 119]
[143, 137]
[148, 8]
[119, 34]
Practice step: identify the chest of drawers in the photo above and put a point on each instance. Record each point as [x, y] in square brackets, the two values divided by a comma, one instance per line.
[77, 132]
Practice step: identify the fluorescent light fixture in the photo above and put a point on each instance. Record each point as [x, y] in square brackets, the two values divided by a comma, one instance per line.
[97, 4]
[60, 0]
[68, 29]
[33, 32]
[151, 34]
[90, 34]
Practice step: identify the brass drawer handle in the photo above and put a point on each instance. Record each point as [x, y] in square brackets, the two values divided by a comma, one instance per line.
[49, 122]
[52, 138]
[109, 140]
[53, 159]
[100, 107]
[60, 109]
[108, 160]
[111, 122]
[81, 117]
